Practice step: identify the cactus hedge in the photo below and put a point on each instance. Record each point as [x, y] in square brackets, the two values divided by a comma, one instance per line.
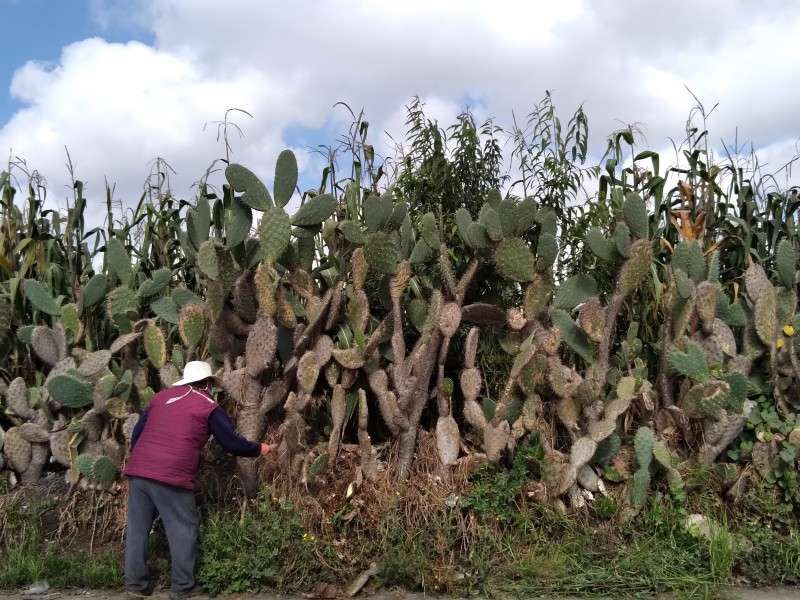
[356, 319]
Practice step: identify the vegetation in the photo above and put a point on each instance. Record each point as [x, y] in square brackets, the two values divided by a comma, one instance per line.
[412, 330]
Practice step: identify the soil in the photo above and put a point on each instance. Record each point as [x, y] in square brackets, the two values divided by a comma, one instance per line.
[741, 593]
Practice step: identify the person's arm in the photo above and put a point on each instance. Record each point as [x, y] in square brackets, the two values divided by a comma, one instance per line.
[221, 427]
[138, 428]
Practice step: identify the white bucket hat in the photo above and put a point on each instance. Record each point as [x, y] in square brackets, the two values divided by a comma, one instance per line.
[197, 370]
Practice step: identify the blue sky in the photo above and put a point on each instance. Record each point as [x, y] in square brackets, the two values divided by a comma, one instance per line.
[121, 82]
[39, 29]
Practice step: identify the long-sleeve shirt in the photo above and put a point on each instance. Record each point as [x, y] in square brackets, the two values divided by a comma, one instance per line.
[221, 427]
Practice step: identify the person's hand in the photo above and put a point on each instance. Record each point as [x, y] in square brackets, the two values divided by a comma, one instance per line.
[265, 449]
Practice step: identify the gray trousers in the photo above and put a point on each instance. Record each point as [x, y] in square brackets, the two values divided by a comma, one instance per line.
[148, 499]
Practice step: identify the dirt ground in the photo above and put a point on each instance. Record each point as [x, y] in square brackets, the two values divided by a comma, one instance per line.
[741, 593]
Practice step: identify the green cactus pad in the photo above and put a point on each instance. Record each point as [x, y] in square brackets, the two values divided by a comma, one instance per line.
[575, 290]
[636, 268]
[515, 260]
[713, 267]
[548, 222]
[706, 400]
[382, 253]
[634, 210]
[527, 212]
[421, 253]
[478, 237]
[84, 463]
[573, 335]
[157, 282]
[165, 309]
[546, 251]
[607, 449]
[352, 232]
[238, 222]
[103, 470]
[490, 219]
[508, 216]
[639, 486]
[683, 285]
[182, 296]
[70, 390]
[691, 363]
[118, 261]
[739, 387]
[785, 304]
[688, 257]
[274, 233]
[94, 291]
[416, 310]
[397, 218]
[643, 446]
[429, 231]
[94, 362]
[317, 467]
[192, 324]
[602, 247]
[285, 177]
[70, 320]
[622, 240]
[314, 211]
[198, 221]
[40, 298]
[706, 302]
[592, 319]
[124, 302]
[243, 180]
[155, 345]
[463, 221]
[766, 317]
[786, 262]
[377, 211]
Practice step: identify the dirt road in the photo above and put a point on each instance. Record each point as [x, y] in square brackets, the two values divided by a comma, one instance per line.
[782, 593]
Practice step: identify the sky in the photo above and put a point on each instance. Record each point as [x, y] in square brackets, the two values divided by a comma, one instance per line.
[118, 83]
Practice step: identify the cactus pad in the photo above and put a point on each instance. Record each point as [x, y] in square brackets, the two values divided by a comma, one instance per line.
[634, 211]
[546, 251]
[688, 257]
[786, 262]
[636, 268]
[70, 390]
[515, 260]
[94, 290]
[155, 345]
[601, 247]
[157, 282]
[592, 319]
[192, 324]
[274, 233]
[447, 440]
[706, 399]
[45, 345]
[243, 180]
[691, 363]
[766, 318]
[706, 302]
[94, 362]
[314, 211]
[382, 253]
[575, 290]
[643, 446]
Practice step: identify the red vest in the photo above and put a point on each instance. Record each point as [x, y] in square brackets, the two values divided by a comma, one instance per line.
[169, 447]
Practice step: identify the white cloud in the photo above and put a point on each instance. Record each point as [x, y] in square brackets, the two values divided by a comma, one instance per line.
[117, 106]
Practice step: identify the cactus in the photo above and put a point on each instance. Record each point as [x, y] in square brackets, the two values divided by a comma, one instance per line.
[622, 240]
[118, 261]
[314, 211]
[507, 211]
[546, 251]
[688, 257]
[706, 303]
[601, 247]
[786, 263]
[643, 446]
[573, 335]
[377, 211]
[430, 231]
[191, 324]
[155, 345]
[691, 363]
[317, 467]
[766, 318]
[537, 295]
[40, 298]
[514, 260]
[243, 180]
[94, 290]
[93, 363]
[122, 306]
[47, 346]
[69, 390]
[634, 211]
[17, 450]
[71, 321]
[157, 282]
[381, 253]
[490, 219]
[636, 268]
[274, 232]
[285, 177]
[575, 290]
[641, 482]
[592, 319]
[706, 399]
[103, 470]
[447, 440]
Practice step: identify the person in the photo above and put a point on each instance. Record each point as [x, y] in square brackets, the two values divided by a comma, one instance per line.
[166, 444]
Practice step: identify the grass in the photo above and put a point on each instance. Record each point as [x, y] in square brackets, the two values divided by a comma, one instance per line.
[486, 540]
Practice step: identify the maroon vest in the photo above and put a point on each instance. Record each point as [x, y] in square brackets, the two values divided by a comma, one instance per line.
[169, 447]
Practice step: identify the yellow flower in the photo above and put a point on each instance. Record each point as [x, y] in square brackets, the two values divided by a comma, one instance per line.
[397, 493]
[779, 343]
[788, 330]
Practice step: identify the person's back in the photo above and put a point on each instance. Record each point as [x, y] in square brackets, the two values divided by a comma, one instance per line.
[166, 446]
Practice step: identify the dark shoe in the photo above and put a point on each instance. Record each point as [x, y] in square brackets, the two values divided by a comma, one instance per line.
[190, 593]
[139, 594]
